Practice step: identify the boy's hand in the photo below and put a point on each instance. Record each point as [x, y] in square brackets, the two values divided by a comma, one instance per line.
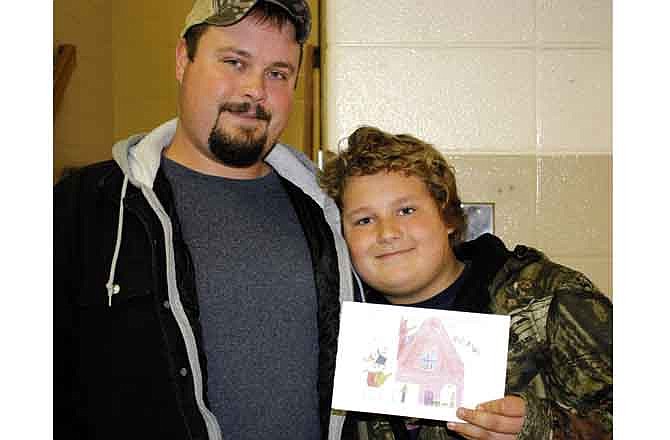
[497, 419]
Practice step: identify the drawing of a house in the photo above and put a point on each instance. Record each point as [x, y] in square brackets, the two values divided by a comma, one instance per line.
[427, 358]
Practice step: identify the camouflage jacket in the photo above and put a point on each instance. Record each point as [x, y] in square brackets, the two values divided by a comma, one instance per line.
[560, 345]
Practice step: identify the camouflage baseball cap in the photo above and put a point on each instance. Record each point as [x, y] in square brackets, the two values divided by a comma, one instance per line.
[228, 12]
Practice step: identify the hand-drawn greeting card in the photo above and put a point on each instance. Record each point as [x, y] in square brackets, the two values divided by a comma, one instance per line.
[418, 362]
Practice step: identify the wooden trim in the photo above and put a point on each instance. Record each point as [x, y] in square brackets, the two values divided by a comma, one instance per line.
[64, 64]
[308, 114]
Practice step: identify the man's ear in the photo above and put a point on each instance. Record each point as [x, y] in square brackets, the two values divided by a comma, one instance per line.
[181, 57]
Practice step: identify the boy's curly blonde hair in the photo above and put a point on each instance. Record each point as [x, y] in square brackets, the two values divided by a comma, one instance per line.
[371, 150]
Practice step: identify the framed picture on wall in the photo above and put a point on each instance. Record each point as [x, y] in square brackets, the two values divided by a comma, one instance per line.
[480, 219]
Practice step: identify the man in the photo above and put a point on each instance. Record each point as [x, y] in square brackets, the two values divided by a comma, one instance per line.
[198, 276]
[402, 219]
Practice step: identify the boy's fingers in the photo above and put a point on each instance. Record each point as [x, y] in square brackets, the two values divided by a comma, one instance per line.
[474, 432]
[490, 421]
[511, 406]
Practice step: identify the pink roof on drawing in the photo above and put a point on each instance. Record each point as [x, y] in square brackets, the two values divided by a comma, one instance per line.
[431, 337]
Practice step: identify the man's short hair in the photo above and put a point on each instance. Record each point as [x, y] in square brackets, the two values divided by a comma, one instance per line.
[371, 151]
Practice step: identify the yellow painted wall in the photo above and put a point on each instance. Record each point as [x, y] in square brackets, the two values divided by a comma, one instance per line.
[144, 37]
[84, 123]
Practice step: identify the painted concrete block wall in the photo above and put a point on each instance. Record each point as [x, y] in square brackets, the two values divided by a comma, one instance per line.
[517, 94]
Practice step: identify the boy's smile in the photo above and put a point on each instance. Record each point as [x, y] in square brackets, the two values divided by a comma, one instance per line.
[398, 240]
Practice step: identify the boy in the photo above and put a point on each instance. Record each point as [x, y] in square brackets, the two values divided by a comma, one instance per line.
[402, 220]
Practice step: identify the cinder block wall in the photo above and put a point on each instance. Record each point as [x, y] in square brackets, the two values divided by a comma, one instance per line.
[517, 93]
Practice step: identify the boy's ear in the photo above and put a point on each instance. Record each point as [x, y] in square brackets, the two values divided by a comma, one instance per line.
[447, 224]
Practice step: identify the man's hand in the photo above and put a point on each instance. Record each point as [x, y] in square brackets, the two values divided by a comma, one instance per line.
[498, 419]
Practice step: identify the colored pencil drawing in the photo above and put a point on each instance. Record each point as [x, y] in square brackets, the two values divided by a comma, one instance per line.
[377, 368]
[427, 358]
[418, 362]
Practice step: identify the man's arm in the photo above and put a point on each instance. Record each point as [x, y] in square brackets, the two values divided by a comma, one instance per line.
[63, 226]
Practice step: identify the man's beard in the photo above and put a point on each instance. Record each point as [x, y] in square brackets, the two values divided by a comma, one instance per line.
[238, 151]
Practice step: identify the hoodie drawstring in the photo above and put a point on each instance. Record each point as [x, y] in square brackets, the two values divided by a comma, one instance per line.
[360, 286]
[112, 288]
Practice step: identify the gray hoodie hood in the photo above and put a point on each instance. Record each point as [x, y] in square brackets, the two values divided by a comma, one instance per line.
[139, 157]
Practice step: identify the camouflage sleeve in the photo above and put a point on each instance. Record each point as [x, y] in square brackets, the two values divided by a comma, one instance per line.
[576, 367]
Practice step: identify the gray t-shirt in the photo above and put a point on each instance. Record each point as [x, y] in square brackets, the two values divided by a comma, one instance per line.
[258, 305]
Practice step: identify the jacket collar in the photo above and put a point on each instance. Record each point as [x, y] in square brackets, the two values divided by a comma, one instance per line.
[139, 156]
